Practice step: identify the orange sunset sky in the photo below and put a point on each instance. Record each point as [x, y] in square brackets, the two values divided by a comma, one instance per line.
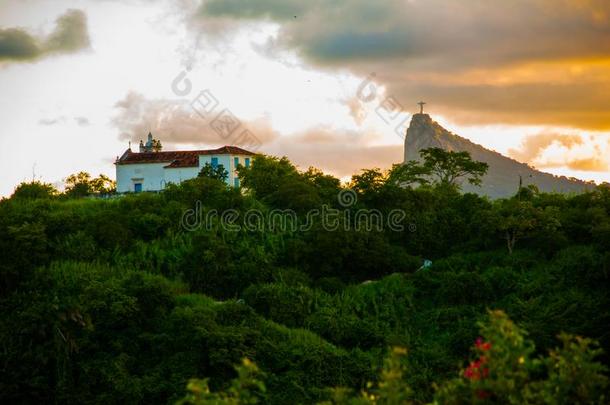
[79, 79]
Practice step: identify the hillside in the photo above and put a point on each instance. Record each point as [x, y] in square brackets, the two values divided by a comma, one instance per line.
[125, 300]
[502, 178]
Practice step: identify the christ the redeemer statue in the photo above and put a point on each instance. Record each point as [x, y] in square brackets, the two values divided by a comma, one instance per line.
[421, 106]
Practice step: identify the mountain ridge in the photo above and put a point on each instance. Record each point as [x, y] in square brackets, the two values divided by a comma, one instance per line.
[502, 178]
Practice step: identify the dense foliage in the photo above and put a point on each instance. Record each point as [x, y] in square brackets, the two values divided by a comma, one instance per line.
[116, 301]
[502, 372]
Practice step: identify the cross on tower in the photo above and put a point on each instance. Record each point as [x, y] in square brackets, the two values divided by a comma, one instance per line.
[421, 106]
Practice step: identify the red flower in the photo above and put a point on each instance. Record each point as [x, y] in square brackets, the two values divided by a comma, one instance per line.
[476, 369]
[482, 345]
[483, 394]
[485, 372]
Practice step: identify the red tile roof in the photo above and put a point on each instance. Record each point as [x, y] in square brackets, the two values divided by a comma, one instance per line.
[188, 158]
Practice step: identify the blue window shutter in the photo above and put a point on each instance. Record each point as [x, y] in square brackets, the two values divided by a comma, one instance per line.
[236, 182]
[214, 162]
[137, 187]
[247, 162]
[236, 161]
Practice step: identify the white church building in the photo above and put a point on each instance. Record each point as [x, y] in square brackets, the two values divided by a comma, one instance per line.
[151, 169]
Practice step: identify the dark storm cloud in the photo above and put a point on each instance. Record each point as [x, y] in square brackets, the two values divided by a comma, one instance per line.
[274, 9]
[584, 105]
[405, 41]
[17, 44]
[479, 32]
[69, 35]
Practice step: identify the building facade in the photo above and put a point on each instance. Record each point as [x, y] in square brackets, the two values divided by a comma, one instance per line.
[153, 171]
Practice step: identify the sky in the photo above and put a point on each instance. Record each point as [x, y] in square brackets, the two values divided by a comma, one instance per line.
[328, 83]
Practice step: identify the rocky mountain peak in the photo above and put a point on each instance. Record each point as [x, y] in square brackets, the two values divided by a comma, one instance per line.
[502, 178]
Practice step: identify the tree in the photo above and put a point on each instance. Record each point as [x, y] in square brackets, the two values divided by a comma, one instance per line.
[247, 388]
[390, 389]
[265, 175]
[368, 181]
[78, 184]
[409, 173]
[34, 190]
[24, 247]
[214, 172]
[504, 370]
[327, 186]
[517, 219]
[81, 184]
[102, 184]
[277, 182]
[528, 192]
[449, 166]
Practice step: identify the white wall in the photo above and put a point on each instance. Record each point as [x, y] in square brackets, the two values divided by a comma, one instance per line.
[154, 176]
[228, 163]
[151, 175]
[178, 174]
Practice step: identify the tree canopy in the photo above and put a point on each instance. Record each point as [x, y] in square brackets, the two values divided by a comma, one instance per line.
[151, 298]
[450, 166]
[217, 172]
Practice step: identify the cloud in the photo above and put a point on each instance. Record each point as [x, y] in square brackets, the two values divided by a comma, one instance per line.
[588, 164]
[273, 9]
[339, 153]
[356, 110]
[462, 32]
[176, 122]
[177, 125]
[534, 145]
[533, 148]
[17, 44]
[70, 35]
[82, 121]
[518, 62]
[581, 105]
[51, 121]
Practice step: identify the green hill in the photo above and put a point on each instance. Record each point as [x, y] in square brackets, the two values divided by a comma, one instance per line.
[125, 300]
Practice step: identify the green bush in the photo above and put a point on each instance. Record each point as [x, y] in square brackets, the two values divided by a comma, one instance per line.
[285, 304]
[504, 370]
[101, 299]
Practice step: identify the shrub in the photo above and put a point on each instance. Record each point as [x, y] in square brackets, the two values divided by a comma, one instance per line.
[503, 370]
[288, 305]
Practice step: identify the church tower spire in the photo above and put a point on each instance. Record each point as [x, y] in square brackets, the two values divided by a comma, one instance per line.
[151, 145]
